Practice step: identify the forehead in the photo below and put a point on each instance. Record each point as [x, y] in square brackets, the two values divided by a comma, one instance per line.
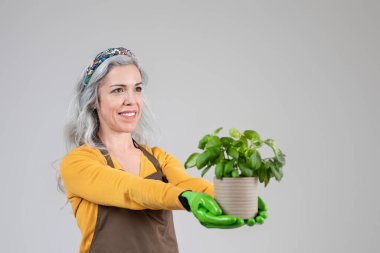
[125, 74]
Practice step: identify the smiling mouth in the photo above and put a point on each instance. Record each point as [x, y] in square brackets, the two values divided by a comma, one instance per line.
[128, 115]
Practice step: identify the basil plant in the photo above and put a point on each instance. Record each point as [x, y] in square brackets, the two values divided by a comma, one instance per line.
[237, 156]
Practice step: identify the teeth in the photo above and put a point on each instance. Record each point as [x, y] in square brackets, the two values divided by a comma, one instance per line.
[129, 114]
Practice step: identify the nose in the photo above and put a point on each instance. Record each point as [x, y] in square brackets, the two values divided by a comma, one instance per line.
[129, 98]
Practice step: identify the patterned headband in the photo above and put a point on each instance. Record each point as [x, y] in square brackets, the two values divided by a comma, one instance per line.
[101, 57]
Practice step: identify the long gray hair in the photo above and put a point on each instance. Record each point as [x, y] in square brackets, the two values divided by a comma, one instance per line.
[82, 123]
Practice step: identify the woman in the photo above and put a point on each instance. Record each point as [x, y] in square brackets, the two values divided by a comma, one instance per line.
[122, 191]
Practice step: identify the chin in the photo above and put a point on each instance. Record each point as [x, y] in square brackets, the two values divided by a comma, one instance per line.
[127, 129]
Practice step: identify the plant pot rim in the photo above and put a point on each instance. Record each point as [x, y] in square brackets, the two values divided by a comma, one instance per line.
[235, 178]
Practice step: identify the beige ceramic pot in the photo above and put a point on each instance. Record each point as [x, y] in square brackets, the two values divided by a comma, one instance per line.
[237, 196]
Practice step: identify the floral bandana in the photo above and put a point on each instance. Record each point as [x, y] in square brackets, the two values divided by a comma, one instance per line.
[101, 57]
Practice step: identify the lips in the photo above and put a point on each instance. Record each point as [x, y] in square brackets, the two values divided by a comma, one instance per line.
[128, 114]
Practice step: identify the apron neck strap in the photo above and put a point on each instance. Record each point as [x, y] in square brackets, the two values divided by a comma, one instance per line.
[108, 157]
[150, 157]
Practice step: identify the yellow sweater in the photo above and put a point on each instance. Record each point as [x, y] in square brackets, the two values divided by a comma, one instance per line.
[90, 182]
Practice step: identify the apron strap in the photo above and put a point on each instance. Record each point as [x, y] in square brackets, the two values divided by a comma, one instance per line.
[150, 157]
[108, 157]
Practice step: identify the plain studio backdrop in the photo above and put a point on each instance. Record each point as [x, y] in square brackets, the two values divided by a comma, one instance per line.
[305, 73]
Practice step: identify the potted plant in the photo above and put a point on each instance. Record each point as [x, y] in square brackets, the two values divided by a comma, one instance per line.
[238, 168]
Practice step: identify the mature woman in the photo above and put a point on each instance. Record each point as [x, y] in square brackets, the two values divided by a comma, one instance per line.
[121, 190]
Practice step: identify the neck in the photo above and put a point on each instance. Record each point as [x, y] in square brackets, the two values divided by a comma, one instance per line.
[117, 142]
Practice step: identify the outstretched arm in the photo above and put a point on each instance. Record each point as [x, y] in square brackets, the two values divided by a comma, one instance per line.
[85, 173]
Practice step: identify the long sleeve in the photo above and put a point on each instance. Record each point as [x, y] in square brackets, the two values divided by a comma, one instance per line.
[177, 175]
[85, 173]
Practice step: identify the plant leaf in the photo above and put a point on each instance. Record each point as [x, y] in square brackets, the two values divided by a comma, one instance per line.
[226, 141]
[203, 159]
[215, 152]
[255, 160]
[277, 152]
[281, 157]
[262, 173]
[281, 173]
[203, 141]
[217, 130]
[245, 170]
[270, 173]
[233, 152]
[234, 133]
[191, 160]
[205, 170]
[228, 168]
[276, 173]
[220, 157]
[253, 136]
[237, 143]
[213, 141]
[249, 152]
[266, 179]
[235, 173]
[219, 170]
[244, 141]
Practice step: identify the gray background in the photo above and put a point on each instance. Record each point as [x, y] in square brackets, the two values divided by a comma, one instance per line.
[305, 73]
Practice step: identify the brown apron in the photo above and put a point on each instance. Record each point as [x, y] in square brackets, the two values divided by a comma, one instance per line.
[120, 230]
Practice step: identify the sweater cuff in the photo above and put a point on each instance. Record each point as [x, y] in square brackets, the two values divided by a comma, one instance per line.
[184, 201]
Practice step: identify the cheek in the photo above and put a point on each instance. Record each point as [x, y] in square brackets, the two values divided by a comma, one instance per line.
[108, 107]
[139, 100]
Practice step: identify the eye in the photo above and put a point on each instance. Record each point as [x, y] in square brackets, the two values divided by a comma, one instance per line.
[139, 89]
[118, 90]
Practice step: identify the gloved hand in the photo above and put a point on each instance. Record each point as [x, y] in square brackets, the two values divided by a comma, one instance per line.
[208, 212]
[261, 215]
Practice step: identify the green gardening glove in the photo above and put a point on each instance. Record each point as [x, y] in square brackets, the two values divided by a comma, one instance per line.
[261, 215]
[208, 212]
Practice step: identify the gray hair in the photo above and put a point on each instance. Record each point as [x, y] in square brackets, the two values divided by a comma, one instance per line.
[82, 124]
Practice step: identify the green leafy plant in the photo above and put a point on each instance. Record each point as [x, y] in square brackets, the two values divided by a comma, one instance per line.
[237, 155]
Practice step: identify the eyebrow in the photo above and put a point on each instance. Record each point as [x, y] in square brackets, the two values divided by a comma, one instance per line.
[124, 85]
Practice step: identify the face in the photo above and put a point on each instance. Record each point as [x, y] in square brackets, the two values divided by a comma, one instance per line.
[120, 99]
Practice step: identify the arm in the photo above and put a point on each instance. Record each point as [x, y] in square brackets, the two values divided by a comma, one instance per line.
[85, 173]
[175, 172]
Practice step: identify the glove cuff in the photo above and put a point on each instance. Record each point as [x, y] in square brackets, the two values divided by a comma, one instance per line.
[184, 201]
